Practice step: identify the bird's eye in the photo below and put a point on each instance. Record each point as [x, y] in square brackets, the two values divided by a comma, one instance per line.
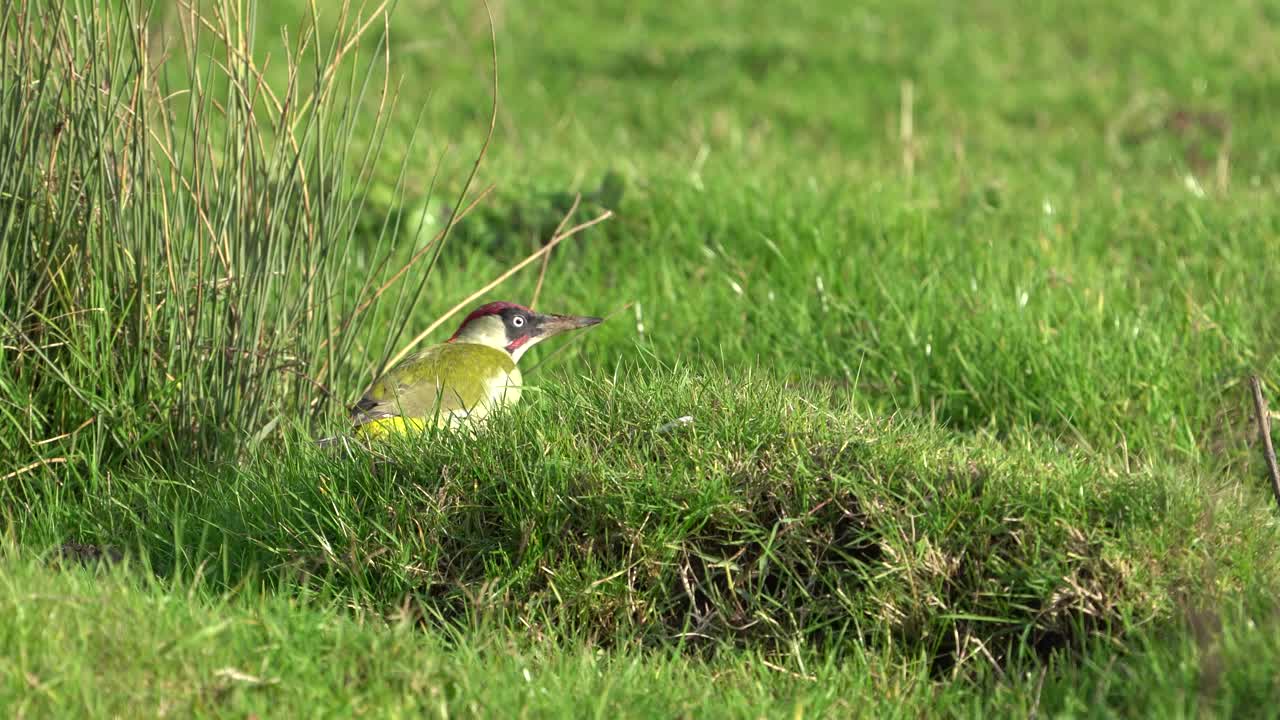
[517, 321]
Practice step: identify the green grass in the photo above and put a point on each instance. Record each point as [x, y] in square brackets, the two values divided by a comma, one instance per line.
[769, 521]
[970, 429]
[169, 650]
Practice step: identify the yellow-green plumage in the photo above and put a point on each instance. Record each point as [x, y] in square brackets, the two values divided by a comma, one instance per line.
[462, 380]
[443, 385]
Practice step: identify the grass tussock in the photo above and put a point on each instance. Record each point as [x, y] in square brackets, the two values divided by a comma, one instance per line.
[179, 234]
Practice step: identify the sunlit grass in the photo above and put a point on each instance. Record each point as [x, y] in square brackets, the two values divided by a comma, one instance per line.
[922, 389]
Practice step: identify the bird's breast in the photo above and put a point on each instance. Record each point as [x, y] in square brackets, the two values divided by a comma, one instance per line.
[501, 388]
[450, 384]
[504, 387]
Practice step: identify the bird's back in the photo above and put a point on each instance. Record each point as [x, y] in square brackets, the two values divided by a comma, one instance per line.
[444, 385]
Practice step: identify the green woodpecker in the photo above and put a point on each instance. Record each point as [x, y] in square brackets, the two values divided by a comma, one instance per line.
[464, 378]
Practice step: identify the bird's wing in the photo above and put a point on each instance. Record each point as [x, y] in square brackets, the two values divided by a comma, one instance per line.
[444, 379]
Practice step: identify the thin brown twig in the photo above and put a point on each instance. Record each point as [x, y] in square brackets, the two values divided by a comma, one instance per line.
[20, 349]
[412, 261]
[792, 673]
[33, 466]
[497, 281]
[239, 52]
[1264, 430]
[66, 435]
[614, 576]
[455, 215]
[337, 58]
[546, 259]
[324, 367]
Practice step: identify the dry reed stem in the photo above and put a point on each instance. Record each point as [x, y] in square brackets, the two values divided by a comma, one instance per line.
[65, 435]
[1264, 432]
[497, 281]
[413, 260]
[454, 216]
[33, 466]
[546, 259]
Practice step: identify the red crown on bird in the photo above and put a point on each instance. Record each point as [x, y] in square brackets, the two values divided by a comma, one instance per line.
[493, 308]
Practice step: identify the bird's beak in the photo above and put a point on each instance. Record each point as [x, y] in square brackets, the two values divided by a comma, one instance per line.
[549, 325]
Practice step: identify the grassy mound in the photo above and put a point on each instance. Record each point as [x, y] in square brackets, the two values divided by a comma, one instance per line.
[769, 519]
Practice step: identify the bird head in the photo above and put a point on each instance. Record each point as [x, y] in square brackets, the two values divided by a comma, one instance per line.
[515, 328]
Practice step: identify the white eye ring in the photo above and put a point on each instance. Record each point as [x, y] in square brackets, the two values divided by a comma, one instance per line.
[517, 321]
